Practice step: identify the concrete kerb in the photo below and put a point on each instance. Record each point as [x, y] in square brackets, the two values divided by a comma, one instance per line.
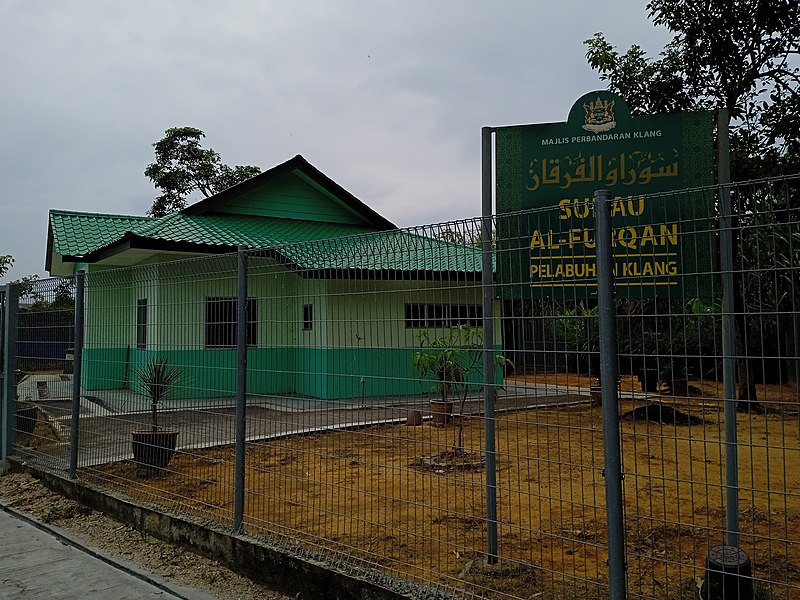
[281, 567]
[126, 567]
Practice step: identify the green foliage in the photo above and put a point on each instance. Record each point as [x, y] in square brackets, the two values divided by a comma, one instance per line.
[52, 310]
[574, 326]
[740, 55]
[182, 167]
[648, 86]
[770, 246]
[453, 358]
[670, 335]
[464, 237]
[63, 299]
[26, 287]
[724, 54]
[6, 260]
[159, 379]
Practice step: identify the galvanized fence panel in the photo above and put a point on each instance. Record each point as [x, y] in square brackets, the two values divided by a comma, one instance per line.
[364, 432]
[160, 371]
[43, 355]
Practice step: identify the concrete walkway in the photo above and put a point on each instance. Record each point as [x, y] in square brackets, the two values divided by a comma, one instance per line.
[39, 561]
[107, 417]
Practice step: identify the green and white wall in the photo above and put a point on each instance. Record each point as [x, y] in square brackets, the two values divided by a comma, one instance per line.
[359, 345]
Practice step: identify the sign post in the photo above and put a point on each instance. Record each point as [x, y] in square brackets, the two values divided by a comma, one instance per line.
[660, 241]
[638, 239]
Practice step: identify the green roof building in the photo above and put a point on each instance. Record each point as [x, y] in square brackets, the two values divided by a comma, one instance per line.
[336, 293]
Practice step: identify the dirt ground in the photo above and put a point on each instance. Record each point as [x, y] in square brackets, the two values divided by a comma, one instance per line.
[367, 494]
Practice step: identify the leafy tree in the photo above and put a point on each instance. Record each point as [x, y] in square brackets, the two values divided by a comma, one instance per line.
[62, 299]
[454, 235]
[6, 260]
[26, 287]
[182, 167]
[740, 55]
[464, 234]
[733, 54]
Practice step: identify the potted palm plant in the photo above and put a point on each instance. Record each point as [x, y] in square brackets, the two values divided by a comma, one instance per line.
[153, 448]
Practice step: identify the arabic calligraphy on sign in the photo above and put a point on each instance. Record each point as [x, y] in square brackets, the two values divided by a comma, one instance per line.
[637, 167]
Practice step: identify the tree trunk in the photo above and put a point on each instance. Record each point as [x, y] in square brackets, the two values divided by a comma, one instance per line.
[746, 388]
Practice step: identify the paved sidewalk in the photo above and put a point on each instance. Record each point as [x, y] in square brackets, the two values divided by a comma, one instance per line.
[44, 562]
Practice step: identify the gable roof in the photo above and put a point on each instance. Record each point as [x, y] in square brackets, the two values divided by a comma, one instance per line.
[311, 248]
[346, 236]
[308, 173]
[219, 223]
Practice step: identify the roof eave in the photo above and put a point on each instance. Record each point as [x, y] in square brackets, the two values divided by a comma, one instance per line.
[132, 241]
[48, 257]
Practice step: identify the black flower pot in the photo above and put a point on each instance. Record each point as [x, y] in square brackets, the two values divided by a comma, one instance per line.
[152, 450]
[648, 378]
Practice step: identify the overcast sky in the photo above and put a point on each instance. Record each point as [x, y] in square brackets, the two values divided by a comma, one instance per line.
[385, 97]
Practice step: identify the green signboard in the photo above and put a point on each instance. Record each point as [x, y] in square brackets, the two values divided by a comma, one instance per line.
[547, 175]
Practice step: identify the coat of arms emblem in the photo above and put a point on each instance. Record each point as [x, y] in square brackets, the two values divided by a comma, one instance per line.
[599, 116]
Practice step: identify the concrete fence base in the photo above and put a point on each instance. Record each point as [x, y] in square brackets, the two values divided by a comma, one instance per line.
[284, 569]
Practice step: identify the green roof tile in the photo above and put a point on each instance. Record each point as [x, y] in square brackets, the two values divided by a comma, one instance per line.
[76, 233]
[232, 230]
[385, 251]
[310, 245]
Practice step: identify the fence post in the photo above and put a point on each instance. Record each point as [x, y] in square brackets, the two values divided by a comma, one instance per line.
[80, 282]
[612, 461]
[728, 333]
[241, 388]
[8, 395]
[487, 278]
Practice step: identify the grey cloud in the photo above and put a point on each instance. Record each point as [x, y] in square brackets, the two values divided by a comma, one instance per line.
[386, 97]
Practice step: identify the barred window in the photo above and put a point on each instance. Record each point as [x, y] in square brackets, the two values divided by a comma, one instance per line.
[221, 322]
[308, 317]
[430, 316]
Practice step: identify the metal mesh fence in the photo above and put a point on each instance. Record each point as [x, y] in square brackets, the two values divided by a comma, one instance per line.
[43, 365]
[365, 434]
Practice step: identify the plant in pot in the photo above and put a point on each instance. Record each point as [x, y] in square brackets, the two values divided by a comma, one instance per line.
[438, 356]
[452, 358]
[153, 448]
